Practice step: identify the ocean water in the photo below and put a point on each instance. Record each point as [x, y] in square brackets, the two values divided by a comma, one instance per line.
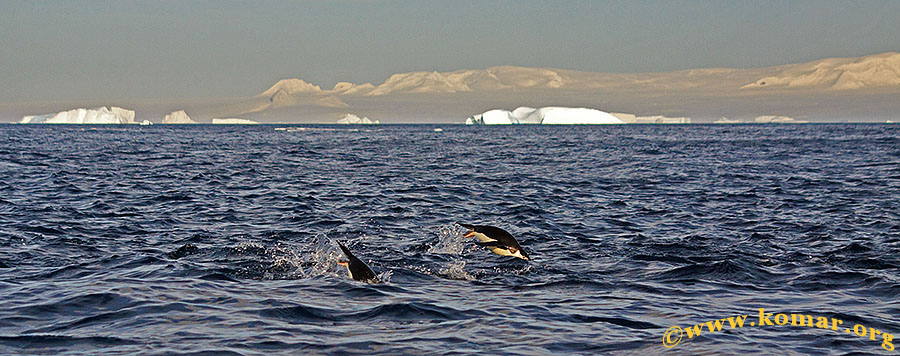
[219, 240]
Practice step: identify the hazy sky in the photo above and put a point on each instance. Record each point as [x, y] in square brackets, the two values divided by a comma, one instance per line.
[88, 50]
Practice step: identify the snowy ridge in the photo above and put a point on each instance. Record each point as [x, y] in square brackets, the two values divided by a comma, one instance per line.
[290, 87]
[880, 70]
[874, 71]
[494, 78]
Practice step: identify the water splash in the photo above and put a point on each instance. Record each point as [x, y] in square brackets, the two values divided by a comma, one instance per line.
[456, 270]
[286, 261]
[450, 240]
[519, 270]
[321, 258]
[385, 277]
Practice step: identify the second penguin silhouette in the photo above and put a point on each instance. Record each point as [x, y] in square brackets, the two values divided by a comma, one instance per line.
[358, 269]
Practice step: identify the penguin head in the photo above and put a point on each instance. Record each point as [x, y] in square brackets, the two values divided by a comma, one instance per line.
[519, 253]
[346, 264]
[478, 235]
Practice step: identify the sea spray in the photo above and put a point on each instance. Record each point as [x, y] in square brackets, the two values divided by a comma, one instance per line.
[456, 270]
[321, 257]
[449, 240]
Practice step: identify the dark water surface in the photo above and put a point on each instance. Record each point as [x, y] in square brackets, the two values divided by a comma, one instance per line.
[218, 239]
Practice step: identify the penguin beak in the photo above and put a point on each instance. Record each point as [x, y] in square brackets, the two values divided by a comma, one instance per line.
[343, 263]
[470, 234]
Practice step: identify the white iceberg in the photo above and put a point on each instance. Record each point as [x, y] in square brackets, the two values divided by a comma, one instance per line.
[576, 116]
[101, 115]
[660, 119]
[552, 115]
[353, 119]
[776, 119]
[233, 121]
[493, 117]
[725, 120]
[178, 117]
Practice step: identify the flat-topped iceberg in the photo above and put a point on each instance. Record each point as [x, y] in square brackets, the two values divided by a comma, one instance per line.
[552, 115]
[101, 115]
[233, 121]
[776, 119]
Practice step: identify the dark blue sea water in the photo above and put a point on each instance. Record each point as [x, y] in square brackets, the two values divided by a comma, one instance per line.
[219, 239]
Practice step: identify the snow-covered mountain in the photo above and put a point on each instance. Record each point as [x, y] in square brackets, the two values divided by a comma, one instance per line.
[875, 71]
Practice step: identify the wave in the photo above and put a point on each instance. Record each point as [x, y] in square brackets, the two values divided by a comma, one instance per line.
[403, 312]
[61, 343]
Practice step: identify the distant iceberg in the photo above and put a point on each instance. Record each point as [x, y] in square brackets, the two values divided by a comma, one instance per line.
[178, 117]
[776, 119]
[101, 115]
[660, 119]
[544, 116]
[233, 121]
[353, 119]
[725, 120]
[655, 119]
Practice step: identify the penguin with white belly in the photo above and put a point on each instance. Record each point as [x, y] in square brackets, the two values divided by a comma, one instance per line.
[496, 239]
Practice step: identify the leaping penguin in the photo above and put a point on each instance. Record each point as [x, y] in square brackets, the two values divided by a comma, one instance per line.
[358, 269]
[496, 239]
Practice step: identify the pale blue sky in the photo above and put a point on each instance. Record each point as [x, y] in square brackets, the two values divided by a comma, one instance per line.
[109, 50]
